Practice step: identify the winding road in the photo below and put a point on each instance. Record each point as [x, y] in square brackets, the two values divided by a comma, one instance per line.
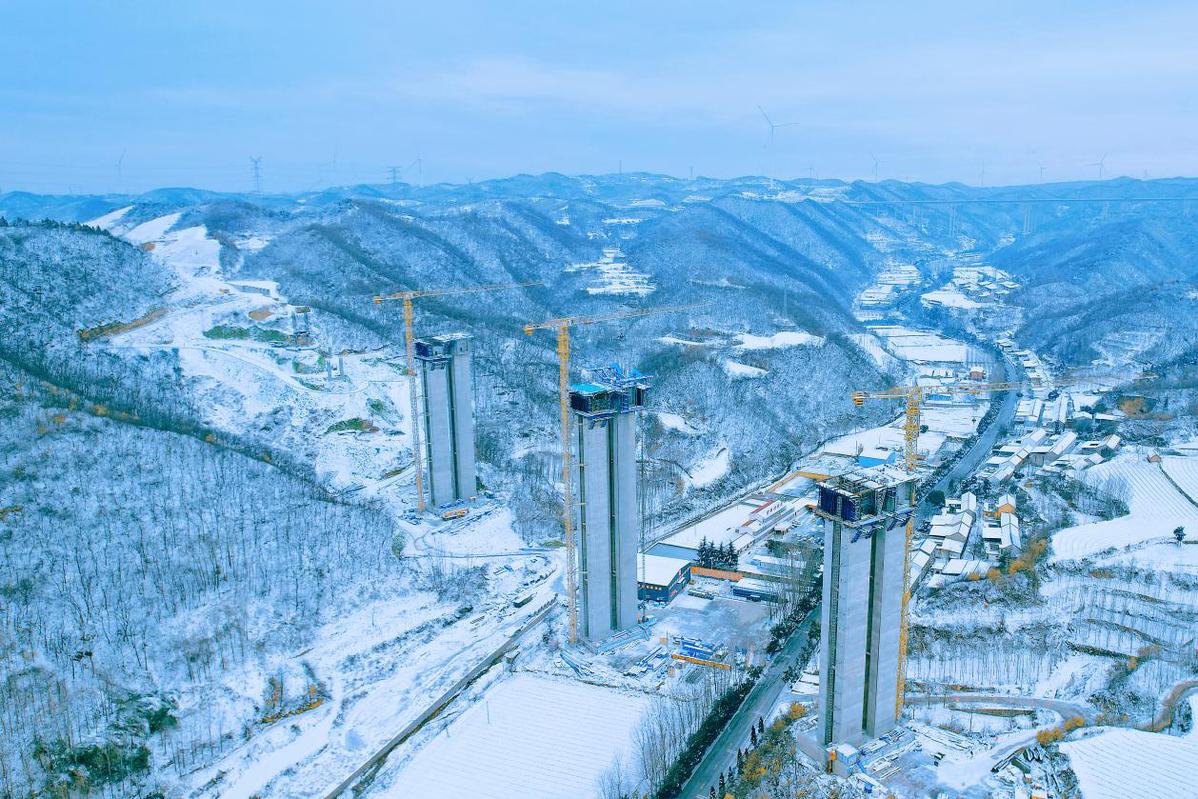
[1003, 752]
[981, 447]
[1165, 717]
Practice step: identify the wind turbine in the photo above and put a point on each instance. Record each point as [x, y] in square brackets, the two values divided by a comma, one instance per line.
[419, 164]
[774, 126]
[875, 160]
[1101, 164]
[1042, 168]
[120, 179]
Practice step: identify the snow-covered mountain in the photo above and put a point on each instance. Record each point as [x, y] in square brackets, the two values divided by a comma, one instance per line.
[195, 499]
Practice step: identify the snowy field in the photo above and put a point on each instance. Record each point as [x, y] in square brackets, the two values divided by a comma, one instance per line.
[612, 275]
[711, 468]
[1162, 555]
[1156, 508]
[873, 347]
[675, 422]
[921, 345]
[736, 369]
[530, 736]
[955, 421]
[951, 298]
[1130, 764]
[1184, 472]
[785, 338]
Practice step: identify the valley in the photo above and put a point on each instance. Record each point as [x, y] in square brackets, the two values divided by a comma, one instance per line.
[221, 586]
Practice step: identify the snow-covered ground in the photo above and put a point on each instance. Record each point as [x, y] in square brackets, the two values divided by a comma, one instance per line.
[381, 665]
[737, 369]
[711, 468]
[942, 423]
[613, 275]
[108, 221]
[1157, 507]
[529, 735]
[151, 231]
[921, 345]
[785, 338]
[955, 421]
[1184, 472]
[385, 663]
[872, 346]
[682, 342]
[675, 422]
[1129, 764]
[252, 382]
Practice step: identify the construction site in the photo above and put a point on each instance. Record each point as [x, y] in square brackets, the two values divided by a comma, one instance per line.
[818, 566]
[855, 599]
[797, 593]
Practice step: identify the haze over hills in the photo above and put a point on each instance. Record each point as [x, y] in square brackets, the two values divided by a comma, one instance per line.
[157, 398]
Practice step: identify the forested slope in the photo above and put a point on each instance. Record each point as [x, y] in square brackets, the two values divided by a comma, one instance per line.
[144, 559]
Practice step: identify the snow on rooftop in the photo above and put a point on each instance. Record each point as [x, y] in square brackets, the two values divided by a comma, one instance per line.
[527, 736]
[1131, 764]
[720, 528]
[660, 569]
[949, 297]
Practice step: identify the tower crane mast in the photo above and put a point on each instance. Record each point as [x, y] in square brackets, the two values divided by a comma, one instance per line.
[561, 328]
[913, 398]
[406, 298]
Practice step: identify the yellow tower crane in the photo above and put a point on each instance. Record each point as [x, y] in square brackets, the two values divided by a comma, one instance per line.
[561, 326]
[409, 344]
[913, 397]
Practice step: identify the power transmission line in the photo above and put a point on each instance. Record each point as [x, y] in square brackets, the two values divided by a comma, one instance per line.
[256, 168]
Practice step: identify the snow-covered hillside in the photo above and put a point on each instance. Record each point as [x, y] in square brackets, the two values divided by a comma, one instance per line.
[218, 583]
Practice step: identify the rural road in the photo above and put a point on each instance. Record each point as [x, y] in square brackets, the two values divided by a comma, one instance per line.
[979, 450]
[433, 710]
[1165, 717]
[1060, 707]
[760, 702]
[1002, 752]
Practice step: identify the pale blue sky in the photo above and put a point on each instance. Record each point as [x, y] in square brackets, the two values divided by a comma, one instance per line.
[334, 92]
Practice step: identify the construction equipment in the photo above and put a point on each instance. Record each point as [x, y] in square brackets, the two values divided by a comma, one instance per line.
[409, 345]
[561, 327]
[913, 398]
[713, 664]
[915, 395]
